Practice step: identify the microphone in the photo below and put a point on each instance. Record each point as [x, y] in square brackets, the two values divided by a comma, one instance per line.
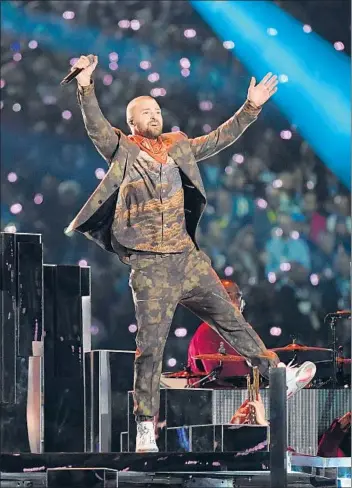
[340, 314]
[72, 74]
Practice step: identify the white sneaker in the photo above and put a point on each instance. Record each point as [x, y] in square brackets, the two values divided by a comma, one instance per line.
[299, 377]
[145, 441]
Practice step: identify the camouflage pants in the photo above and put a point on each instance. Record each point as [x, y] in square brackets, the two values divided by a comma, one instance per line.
[159, 283]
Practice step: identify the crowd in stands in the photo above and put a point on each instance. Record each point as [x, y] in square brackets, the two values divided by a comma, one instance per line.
[277, 222]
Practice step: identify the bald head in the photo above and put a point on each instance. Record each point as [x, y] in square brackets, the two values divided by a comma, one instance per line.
[144, 117]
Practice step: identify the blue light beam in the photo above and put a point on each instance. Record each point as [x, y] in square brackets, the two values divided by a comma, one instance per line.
[316, 96]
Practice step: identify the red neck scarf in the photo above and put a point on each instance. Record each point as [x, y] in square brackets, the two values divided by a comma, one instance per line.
[156, 148]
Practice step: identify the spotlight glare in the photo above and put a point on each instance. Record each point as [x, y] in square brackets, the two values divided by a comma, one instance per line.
[339, 46]
[171, 362]
[12, 177]
[190, 33]
[38, 199]
[68, 15]
[180, 332]
[228, 271]
[16, 208]
[271, 277]
[307, 28]
[132, 328]
[271, 31]
[228, 44]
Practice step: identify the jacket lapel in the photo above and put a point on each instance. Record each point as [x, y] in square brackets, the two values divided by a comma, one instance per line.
[181, 153]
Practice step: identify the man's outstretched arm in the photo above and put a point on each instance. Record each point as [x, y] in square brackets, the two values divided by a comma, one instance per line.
[100, 131]
[226, 134]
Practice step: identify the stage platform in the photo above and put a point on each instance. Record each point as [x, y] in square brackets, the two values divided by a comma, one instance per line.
[198, 470]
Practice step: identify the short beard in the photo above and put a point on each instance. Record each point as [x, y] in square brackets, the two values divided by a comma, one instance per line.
[152, 133]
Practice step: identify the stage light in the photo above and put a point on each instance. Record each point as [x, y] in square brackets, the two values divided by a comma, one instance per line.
[295, 234]
[113, 56]
[271, 31]
[283, 78]
[286, 134]
[132, 328]
[278, 232]
[272, 277]
[252, 280]
[153, 77]
[229, 170]
[17, 57]
[2, 83]
[124, 24]
[145, 64]
[99, 173]
[310, 185]
[12, 177]
[228, 44]
[180, 332]
[135, 24]
[16, 107]
[171, 362]
[339, 46]
[285, 266]
[261, 203]
[162, 92]
[228, 271]
[66, 114]
[206, 128]
[205, 105]
[277, 183]
[185, 72]
[33, 44]
[185, 63]
[314, 279]
[317, 98]
[113, 66]
[107, 80]
[275, 331]
[238, 158]
[16, 208]
[68, 15]
[38, 199]
[82, 263]
[190, 33]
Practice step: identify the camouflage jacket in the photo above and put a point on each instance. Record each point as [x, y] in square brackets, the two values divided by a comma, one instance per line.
[95, 218]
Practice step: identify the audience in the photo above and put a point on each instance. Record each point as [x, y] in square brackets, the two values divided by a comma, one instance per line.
[277, 222]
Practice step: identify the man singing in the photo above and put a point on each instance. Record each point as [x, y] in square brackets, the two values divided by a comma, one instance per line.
[146, 210]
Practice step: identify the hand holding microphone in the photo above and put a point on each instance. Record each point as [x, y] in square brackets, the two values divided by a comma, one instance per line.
[82, 70]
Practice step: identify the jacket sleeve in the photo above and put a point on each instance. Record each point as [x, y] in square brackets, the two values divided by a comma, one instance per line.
[226, 134]
[105, 138]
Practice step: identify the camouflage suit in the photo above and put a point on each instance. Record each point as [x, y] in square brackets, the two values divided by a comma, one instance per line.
[161, 280]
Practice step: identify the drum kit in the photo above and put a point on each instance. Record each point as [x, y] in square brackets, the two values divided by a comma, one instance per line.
[189, 379]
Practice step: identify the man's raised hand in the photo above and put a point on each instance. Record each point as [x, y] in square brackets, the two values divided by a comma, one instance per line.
[84, 78]
[259, 94]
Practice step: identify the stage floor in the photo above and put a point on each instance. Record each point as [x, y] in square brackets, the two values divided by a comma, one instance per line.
[198, 470]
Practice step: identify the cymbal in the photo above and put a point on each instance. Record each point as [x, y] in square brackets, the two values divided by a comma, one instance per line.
[220, 357]
[343, 360]
[183, 374]
[299, 347]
